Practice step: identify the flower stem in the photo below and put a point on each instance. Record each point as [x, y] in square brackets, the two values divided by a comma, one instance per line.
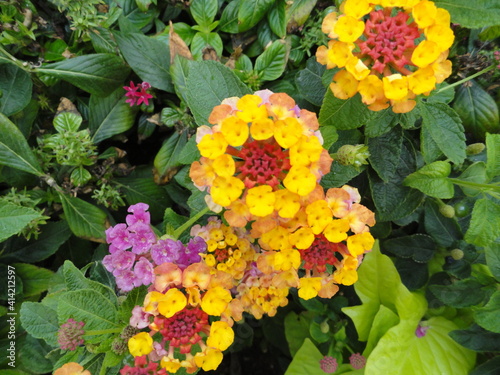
[477, 185]
[190, 222]
[485, 70]
[103, 331]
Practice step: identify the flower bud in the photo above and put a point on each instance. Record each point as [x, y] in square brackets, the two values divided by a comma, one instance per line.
[355, 155]
[474, 149]
[457, 254]
[447, 211]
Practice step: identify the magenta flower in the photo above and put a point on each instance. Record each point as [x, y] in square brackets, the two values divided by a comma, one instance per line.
[142, 238]
[144, 273]
[137, 94]
[125, 280]
[119, 237]
[166, 251]
[421, 330]
[328, 364]
[139, 214]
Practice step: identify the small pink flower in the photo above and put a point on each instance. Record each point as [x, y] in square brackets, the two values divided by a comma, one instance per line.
[137, 94]
[357, 361]
[139, 318]
[421, 330]
[328, 364]
[70, 335]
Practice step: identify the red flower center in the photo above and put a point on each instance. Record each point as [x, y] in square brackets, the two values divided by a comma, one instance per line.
[262, 163]
[319, 254]
[389, 41]
[182, 329]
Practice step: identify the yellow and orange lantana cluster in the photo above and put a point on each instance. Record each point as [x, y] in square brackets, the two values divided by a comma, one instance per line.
[389, 51]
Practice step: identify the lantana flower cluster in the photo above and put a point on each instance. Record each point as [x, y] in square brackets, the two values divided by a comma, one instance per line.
[261, 164]
[389, 51]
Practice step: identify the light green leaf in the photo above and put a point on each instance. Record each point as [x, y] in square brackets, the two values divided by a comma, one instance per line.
[445, 128]
[432, 179]
[40, 321]
[477, 109]
[400, 351]
[91, 307]
[99, 74]
[484, 226]
[168, 157]
[80, 176]
[229, 19]
[472, 14]
[306, 360]
[148, 57]
[85, 220]
[67, 122]
[476, 173]
[296, 330]
[383, 320]
[190, 152]
[179, 70]
[204, 11]
[210, 83]
[271, 63]
[14, 218]
[35, 279]
[343, 114]
[110, 115]
[492, 253]
[203, 40]
[251, 12]
[493, 155]
[487, 316]
[299, 12]
[15, 86]
[102, 40]
[14, 150]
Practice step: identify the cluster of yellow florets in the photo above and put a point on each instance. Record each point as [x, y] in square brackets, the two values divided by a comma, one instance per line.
[389, 51]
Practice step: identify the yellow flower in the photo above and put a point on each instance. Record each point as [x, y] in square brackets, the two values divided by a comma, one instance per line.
[425, 54]
[349, 29]
[224, 165]
[309, 287]
[235, 131]
[212, 145]
[344, 85]
[300, 180]
[140, 344]
[345, 277]
[170, 364]
[209, 359]
[302, 238]
[357, 8]
[424, 13]
[215, 301]
[319, 215]
[441, 35]
[357, 244]
[371, 90]
[422, 81]
[336, 230]
[287, 132]
[260, 200]
[221, 335]
[340, 53]
[287, 203]
[262, 129]
[226, 190]
[173, 302]
[395, 86]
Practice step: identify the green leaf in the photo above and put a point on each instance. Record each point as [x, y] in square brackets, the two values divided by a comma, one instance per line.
[168, 157]
[40, 321]
[419, 247]
[306, 360]
[144, 190]
[190, 152]
[299, 11]
[380, 123]
[472, 15]
[492, 253]
[487, 316]
[15, 86]
[477, 338]
[271, 63]
[179, 70]
[14, 150]
[400, 351]
[476, 173]
[309, 82]
[339, 175]
[251, 12]
[149, 58]
[477, 109]
[445, 128]
[85, 220]
[445, 231]
[134, 298]
[99, 74]
[432, 179]
[14, 218]
[204, 11]
[229, 18]
[330, 136]
[276, 18]
[343, 114]
[489, 367]
[91, 307]
[430, 150]
[484, 226]
[67, 122]
[102, 40]
[53, 235]
[35, 279]
[383, 320]
[493, 155]
[80, 176]
[110, 115]
[203, 40]
[462, 293]
[33, 354]
[384, 153]
[211, 83]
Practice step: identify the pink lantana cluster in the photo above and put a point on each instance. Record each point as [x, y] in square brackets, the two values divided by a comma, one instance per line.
[70, 334]
[135, 250]
[137, 94]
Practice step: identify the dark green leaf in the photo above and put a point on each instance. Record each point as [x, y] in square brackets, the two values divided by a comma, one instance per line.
[419, 247]
[134, 298]
[299, 12]
[492, 253]
[40, 321]
[179, 70]
[430, 150]
[33, 354]
[190, 152]
[493, 155]
[445, 96]
[271, 64]
[343, 114]
[473, 15]
[445, 231]
[167, 157]
[229, 19]
[110, 115]
[477, 339]
[413, 275]
[102, 41]
[445, 128]
[484, 226]
[487, 316]
[330, 136]
[490, 367]
[462, 293]
[15, 86]
[309, 82]
[99, 74]
[276, 18]
[384, 153]
[14, 218]
[477, 109]
[339, 175]
[211, 83]
[14, 150]
[380, 123]
[84, 219]
[250, 12]
[35, 279]
[204, 11]
[148, 57]
[432, 179]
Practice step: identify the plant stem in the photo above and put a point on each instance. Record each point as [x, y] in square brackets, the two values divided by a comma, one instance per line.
[485, 70]
[4, 55]
[190, 222]
[103, 331]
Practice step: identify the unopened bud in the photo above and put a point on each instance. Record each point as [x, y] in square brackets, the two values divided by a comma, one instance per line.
[447, 211]
[355, 155]
[457, 254]
[474, 149]
[324, 327]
